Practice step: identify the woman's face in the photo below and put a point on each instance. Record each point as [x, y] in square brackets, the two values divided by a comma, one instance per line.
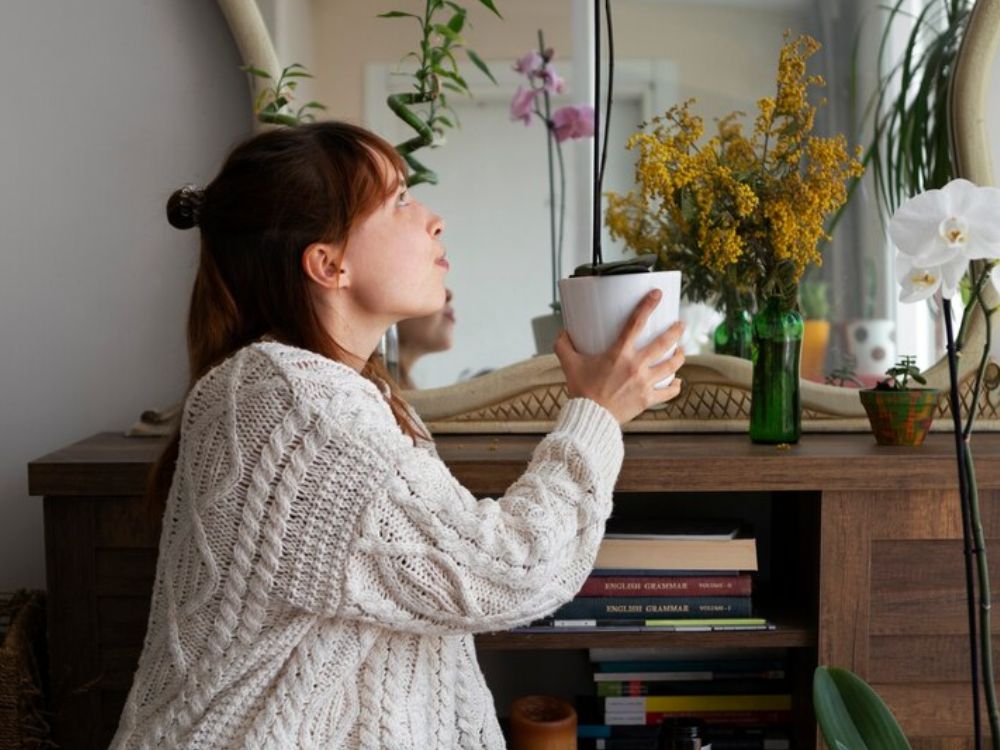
[430, 333]
[396, 261]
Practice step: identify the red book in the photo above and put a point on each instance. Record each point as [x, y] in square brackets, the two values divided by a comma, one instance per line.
[731, 585]
[732, 718]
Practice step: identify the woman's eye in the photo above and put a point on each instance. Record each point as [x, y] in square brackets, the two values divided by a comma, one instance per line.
[404, 198]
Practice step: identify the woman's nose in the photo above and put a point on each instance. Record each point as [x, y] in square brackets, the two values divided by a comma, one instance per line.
[437, 225]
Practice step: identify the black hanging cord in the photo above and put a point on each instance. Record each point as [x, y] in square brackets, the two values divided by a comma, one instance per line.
[596, 240]
[610, 99]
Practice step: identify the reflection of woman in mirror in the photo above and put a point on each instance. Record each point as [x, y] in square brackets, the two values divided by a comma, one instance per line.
[320, 571]
[424, 335]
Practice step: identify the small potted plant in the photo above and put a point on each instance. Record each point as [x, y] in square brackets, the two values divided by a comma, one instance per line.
[899, 414]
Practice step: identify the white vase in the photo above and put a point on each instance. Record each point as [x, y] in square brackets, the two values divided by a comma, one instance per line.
[546, 329]
[872, 344]
[596, 308]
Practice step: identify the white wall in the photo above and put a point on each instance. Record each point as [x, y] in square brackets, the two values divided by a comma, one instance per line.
[109, 106]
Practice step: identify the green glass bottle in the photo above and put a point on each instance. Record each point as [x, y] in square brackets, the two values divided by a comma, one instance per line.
[775, 406]
[733, 335]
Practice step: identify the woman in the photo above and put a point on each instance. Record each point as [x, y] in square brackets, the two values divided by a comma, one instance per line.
[424, 335]
[320, 571]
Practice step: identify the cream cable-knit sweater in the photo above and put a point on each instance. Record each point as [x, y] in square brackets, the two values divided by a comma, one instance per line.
[320, 577]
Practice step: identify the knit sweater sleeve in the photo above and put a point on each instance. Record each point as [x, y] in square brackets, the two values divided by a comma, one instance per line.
[424, 555]
[430, 557]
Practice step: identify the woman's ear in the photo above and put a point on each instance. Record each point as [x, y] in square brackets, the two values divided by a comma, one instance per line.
[323, 264]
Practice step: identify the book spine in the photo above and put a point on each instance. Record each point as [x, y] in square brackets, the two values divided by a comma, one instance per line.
[716, 667]
[625, 743]
[729, 718]
[700, 677]
[601, 585]
[735, 718]
[616, 743]
[662, 572]
[603, 731]
[722, 687]
[743, 702]
[651, 607]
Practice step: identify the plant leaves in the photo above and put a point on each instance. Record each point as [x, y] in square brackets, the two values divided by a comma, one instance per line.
[478, 62]
[455, 77]
[255, 71]
[447, 32]
[457, 22]
[851, 715]
[489, 4]
[397, 14]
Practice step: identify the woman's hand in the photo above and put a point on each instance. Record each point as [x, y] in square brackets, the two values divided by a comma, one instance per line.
[622, 379]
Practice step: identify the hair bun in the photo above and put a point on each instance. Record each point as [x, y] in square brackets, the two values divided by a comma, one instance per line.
[184, 207]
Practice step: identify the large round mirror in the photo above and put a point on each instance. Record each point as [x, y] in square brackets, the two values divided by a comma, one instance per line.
[493, 188]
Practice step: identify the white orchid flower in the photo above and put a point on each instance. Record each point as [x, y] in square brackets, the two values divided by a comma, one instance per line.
[939, 226]
[918, 283]
[995, 276]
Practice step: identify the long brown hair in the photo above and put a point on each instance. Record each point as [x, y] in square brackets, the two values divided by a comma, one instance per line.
[276, 194]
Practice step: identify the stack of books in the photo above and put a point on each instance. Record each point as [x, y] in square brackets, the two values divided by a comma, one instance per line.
[658, 575]
[743, 703]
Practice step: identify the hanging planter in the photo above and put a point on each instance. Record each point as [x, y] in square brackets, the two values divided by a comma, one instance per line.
[598, 298]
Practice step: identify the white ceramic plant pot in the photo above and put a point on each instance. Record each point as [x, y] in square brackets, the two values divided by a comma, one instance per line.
[546, 329]
[596, 308]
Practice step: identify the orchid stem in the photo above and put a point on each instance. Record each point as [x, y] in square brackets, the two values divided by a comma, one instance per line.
[547, 117]
[967, 521]
[985, 627]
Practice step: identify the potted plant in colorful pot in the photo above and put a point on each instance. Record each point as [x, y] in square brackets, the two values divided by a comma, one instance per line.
[900, 414]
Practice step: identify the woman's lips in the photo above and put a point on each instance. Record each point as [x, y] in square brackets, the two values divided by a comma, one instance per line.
[443, 262]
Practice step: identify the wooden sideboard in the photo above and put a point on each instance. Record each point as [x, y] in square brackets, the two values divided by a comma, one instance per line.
[860, 547]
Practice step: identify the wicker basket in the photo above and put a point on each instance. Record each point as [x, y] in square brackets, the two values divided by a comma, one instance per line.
[23, 721]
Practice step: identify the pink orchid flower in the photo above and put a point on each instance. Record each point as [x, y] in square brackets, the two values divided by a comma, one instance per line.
[552, 81]
[529, 63]
[573, 122]
[522, 105]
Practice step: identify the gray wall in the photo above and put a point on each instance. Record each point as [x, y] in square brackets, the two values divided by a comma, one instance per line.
[109, 105]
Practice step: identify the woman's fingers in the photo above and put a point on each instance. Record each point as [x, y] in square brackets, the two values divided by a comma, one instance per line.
[637, 321]
[664, 342]
[669, 393]
[667, 367]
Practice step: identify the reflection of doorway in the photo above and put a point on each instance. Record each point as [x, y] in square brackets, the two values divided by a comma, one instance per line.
[493, 195]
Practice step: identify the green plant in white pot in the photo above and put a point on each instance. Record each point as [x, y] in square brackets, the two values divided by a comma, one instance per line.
[599, 297]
